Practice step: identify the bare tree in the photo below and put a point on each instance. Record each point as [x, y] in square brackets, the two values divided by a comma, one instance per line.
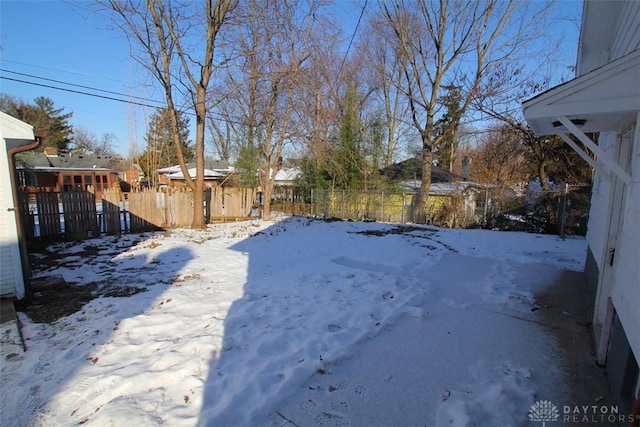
[176, 42]
[499, 158]
[385, 68]
[276, 43]
[450, 42]
[221, 131]
[87, 142]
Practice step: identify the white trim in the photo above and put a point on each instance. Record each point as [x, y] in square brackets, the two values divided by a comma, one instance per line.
[607, 98]
[602, 157]
[581, 153]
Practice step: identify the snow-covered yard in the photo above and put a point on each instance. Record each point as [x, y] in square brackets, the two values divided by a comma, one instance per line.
[296, 322]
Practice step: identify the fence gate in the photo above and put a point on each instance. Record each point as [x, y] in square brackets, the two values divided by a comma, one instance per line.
[80, 217]
[48, 213]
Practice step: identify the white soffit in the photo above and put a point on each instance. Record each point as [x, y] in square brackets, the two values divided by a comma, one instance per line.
[608, 98]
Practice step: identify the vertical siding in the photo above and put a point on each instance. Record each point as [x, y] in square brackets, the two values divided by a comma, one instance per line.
[11, 281]
[601, 199]
[628, 35]
[626, 273]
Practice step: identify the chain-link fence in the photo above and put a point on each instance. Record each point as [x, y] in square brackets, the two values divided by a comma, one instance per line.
[563, 211]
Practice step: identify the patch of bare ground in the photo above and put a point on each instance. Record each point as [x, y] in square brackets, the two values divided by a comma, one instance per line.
[52, 297]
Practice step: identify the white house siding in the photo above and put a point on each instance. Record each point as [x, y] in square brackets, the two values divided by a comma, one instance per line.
[626, 273]
[628, 35]
[11, 281]
[600, 210]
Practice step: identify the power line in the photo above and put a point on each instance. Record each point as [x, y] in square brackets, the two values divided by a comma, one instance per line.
[235, 120]
[62, 71]
[353, 36]
[110, 98]
[76, 85]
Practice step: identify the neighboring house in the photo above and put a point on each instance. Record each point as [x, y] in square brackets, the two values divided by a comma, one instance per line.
[605, 97]
[216, 172]
[286, 177]
[15, 136]
[452, 204]
[211, 178]
[130, 174]
[55, 171]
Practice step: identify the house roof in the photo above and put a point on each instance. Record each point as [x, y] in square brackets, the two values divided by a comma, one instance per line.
[288, 174]
[410, 169]
[208, 173]
[607, 99]
[445, 188]
[211, 164]
[65, 161]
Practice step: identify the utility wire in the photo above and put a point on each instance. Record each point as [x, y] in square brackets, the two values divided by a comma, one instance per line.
[82, 92]
[234, 120]
[344, 58]
[63, 71]
[76, 85]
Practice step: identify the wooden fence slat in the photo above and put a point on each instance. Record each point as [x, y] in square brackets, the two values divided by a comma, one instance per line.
[80, 216]
[111, 211]
[48, 214]
[74, 214]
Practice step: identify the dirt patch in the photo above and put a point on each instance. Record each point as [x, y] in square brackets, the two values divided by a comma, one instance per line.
[53, 298]
[401, 229]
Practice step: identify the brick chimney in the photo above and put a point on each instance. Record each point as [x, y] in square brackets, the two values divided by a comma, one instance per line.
[466, 162]
[51, 151]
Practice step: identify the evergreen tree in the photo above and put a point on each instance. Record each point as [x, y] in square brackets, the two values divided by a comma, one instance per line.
[160, 151]
[348, 157]
[447, 126]
[247, 166]
[42, 114]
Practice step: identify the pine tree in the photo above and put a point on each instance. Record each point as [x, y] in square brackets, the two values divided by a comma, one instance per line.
[447, 126]
[348, 157]
[160, 151]
[42, 115]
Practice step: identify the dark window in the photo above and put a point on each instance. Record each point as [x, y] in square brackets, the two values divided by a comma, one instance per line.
[66, 183]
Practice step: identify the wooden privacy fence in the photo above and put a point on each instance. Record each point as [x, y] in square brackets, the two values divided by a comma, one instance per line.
[229, 202]
[76, 215]
[146, 209]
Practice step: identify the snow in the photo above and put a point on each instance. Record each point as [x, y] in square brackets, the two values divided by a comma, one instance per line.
[294, 322]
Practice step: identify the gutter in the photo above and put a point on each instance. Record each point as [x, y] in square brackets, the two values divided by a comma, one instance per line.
[24, 255]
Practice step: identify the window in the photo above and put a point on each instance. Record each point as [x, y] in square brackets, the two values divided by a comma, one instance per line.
[88, 181]
[77, 182]
[66, 183]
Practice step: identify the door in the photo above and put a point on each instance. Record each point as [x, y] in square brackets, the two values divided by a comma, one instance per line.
[604, 309]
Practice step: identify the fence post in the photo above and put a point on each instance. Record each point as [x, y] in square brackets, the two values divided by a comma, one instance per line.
[403, 203]
[207, 205]
[486, 205]
[167, 216]
[562, 209]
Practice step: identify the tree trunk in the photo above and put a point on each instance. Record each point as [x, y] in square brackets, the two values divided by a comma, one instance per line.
[422, 205]
[267, 191]
[198, 188]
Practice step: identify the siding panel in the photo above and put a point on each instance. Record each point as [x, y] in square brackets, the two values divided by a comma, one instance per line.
[628, 35]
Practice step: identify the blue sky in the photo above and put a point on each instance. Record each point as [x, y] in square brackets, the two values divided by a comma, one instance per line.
[64, 41]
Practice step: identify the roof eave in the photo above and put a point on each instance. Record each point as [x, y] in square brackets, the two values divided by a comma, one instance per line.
[607, 98]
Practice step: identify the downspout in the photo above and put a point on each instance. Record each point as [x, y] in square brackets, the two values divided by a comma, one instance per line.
[24, 255]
